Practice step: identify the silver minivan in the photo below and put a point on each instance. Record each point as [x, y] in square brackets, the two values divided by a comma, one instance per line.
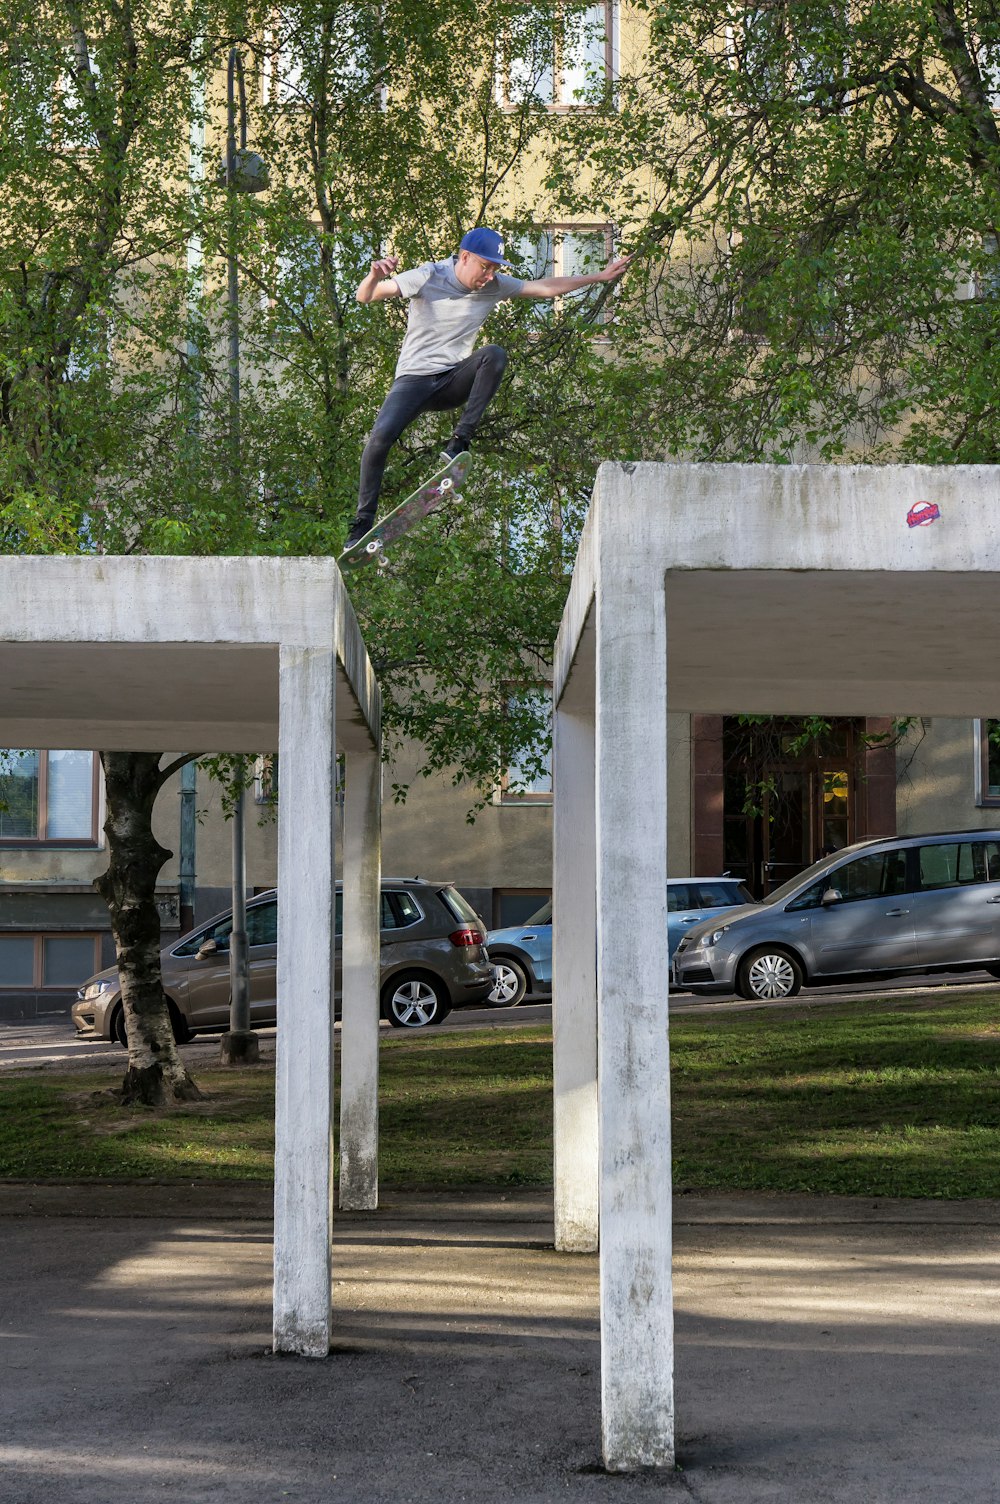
[879, 908]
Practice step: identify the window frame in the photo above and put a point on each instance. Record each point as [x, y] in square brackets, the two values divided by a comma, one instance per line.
[39, 937]
[981, 745]
[79, 843]
[557, 105]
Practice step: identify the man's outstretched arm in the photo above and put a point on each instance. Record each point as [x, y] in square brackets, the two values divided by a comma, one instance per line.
[553, 287]
[380, 282]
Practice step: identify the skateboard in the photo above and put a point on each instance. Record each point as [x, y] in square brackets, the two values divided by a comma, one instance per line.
[443, 486]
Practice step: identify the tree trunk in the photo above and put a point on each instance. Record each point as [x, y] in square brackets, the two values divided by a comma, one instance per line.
[156, 1073]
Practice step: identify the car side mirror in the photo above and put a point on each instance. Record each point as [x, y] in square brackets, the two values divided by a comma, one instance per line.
[831, 896]
[207, 948]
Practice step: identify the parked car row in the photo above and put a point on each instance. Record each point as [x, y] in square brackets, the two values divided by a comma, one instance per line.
[917, 904]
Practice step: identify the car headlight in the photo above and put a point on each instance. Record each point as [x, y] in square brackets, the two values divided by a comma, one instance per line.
[96, 989]
[713, 937]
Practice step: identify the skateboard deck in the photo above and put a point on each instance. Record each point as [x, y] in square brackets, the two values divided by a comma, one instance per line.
[444, 485]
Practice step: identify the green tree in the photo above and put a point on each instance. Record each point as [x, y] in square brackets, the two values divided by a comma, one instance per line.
[822, 269]
[397, 124]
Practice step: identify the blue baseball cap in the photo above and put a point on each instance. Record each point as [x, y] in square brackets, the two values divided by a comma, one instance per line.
[487, 244]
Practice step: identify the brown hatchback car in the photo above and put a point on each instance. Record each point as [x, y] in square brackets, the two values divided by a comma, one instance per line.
[433, 959]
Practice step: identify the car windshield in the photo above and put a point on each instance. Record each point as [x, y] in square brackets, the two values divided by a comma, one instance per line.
[542, 915]
[803, 878]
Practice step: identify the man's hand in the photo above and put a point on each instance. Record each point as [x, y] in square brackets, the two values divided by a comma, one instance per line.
[379, 283]
[387, 267]
[614, 269]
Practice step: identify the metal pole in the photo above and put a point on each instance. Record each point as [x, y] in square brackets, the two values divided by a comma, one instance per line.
[240, 1044]
[189, 775]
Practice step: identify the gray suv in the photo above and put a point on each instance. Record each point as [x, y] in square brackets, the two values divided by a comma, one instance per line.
[433, 959]
[880, 908]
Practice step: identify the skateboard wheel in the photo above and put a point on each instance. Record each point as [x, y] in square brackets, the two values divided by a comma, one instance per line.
[447, 483]
[373, 547]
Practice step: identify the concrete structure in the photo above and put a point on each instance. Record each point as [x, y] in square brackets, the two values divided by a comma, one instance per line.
[713, 589]
[238, 655]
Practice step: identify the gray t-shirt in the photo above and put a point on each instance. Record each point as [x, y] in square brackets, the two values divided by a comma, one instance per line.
[444, 316]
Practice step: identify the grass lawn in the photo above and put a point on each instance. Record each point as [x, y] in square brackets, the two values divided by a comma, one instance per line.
[876, 1097]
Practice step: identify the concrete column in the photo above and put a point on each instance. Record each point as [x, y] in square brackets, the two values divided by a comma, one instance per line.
[574, 991]
[632, 968]
[303, 1159]
[360, 983]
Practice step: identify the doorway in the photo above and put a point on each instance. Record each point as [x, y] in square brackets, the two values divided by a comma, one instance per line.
[790, 795]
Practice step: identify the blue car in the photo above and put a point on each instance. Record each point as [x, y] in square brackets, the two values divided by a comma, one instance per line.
[522, 953]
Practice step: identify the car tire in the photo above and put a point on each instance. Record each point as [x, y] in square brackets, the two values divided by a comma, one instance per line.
[413, 1000]
[509, 985]
[182, 1033]
[994, 971]
[118, 1027]
[769, 974]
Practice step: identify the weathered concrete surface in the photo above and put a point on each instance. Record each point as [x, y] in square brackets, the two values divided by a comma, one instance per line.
[833, 1351]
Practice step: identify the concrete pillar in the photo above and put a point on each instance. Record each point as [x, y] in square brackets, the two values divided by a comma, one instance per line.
[574, 991]
[632, 969]
[360, 983]
[303, 1159]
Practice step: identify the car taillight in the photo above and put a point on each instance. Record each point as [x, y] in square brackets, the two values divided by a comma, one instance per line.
[466, 936]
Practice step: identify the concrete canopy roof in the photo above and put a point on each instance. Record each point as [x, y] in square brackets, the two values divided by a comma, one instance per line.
[802, 589]
[149, 653]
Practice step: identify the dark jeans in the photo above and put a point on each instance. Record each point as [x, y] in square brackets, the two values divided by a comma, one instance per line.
[473, 383]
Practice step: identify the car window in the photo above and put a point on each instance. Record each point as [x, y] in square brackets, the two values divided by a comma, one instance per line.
[219, 932]
[991, 861]
[812, 898]
[399, 910]
[678, 897]
[542, 915]
[262, 924]
[459, 906]
[718, 895]
[880, 874]
[951, 864]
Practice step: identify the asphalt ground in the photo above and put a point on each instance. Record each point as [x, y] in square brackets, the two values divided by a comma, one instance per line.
[828, 1351]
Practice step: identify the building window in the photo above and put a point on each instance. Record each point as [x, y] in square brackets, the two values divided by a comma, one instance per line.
[48, 798]
[565, 251]
[529, 781]
[39, 961]
[563, 67]
[987, 752]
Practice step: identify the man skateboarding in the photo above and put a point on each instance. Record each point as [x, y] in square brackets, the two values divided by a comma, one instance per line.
[437, 367]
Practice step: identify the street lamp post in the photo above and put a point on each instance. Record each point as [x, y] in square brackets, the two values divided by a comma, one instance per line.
[242, 171]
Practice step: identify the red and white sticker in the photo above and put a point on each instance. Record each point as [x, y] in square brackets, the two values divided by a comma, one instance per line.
[923, 512]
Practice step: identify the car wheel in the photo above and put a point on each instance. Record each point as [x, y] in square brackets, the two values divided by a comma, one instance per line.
[510, 983]
[994, 971]
[182, 1033]
[118, 1027]
[413, 1002]
[767, 974]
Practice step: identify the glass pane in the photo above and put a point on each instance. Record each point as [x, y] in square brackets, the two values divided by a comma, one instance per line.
[67, 960]
[939, 865]
[530, 72]
[678, 897]
[991, 862]
[992, 731]
[583, 253]
[541, 781]
[17, 961]
[70, 797]
[18, 795]
[262, 924]
[874, 876]
[720, 895]
[584, 56]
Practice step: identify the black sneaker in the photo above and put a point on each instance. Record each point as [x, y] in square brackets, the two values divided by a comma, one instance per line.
[359, 527]
[455, 446]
